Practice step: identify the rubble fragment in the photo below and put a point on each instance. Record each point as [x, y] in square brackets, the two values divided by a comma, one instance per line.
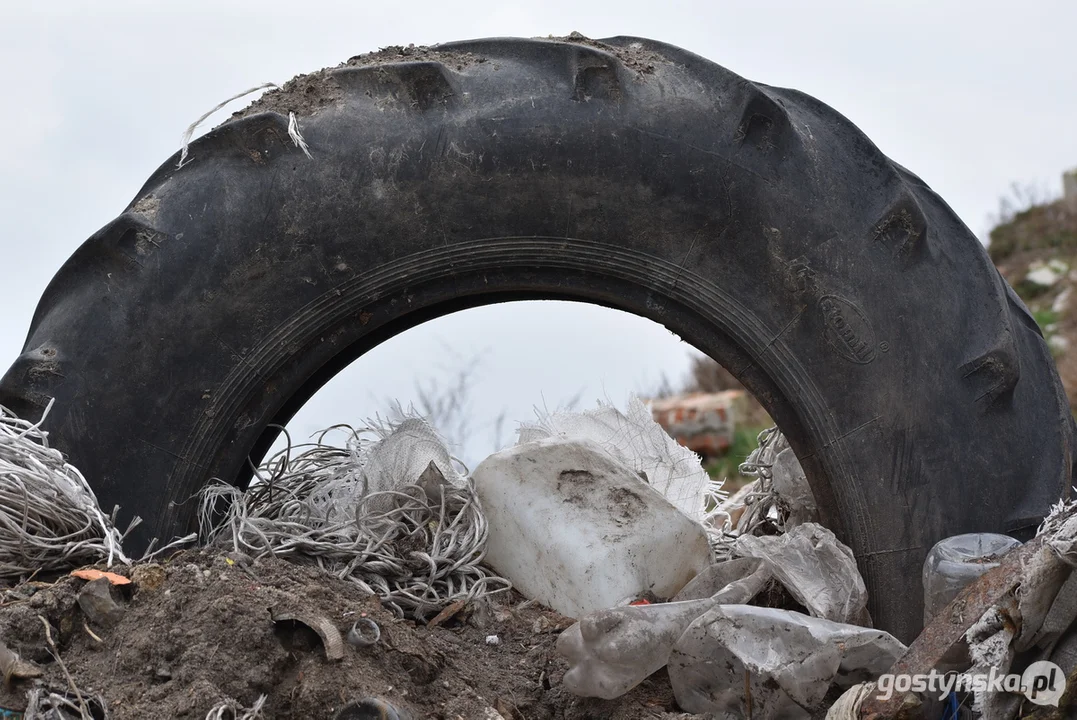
[98, 604]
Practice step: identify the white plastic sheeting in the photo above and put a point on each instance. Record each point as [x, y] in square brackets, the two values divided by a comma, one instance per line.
[788, 660]
[609, 652]
[816, 568]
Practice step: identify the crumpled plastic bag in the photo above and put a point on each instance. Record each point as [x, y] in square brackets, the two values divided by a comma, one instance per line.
[611, 651]
[719, 576]
[791, 484]
[847, 707]
[790, 661]
[816, 568]
[990, 642]
[1035, 618]
[1046, 608]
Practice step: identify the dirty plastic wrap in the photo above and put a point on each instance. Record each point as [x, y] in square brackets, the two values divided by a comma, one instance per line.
[1047, 596]
[990, 642]
[1042, 579]
[1031, 621]
[956, 561]
[791, 484]
[784, 661]
[817, 570]
[847, 707]
[745, 572]
[611, 651]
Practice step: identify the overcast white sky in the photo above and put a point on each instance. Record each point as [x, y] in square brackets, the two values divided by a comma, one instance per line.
[969, 95]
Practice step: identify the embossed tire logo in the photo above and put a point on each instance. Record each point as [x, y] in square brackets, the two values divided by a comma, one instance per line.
[847, 330]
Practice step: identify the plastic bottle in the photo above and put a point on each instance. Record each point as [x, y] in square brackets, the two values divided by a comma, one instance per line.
[955, 562]
[578, 531]
[609, 652]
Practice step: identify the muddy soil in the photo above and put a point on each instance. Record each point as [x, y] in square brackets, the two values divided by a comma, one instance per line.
[196, 631]
[306, 94]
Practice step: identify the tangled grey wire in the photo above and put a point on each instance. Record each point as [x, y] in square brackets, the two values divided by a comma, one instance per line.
[763, 505]
[49, 517]
[416, 545]
[49, 704]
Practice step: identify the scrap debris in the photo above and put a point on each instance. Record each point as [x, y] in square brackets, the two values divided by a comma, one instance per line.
[331, 639]
[388, 513]
[50, 520]
[14, 667]
[94, 574]
[769, 618]
[98, 604]
[364, 633]
[987, 616]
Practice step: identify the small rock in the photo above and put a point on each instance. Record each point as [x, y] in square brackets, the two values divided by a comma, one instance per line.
[98, 605]
[149, 577]
[482, 614]
[493, 640]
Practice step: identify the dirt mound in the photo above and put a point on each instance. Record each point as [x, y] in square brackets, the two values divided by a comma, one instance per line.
[1036, 252]
[196, 631]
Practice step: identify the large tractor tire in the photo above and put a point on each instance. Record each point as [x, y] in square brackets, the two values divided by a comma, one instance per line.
[755, 222]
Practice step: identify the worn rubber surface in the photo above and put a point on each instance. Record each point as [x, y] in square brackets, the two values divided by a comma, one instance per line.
[756, 222]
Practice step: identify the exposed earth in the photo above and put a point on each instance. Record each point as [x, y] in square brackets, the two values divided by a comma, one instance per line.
[196, 631]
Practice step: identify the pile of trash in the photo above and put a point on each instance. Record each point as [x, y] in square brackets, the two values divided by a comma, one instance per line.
[621, 572]
[49, 517]
[727, 653]
[388, 512]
